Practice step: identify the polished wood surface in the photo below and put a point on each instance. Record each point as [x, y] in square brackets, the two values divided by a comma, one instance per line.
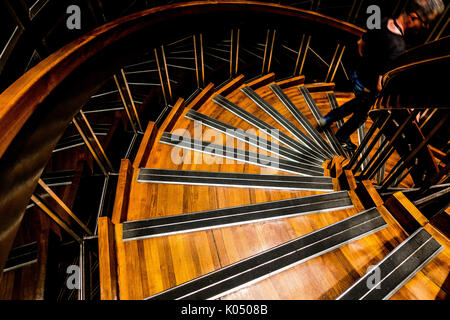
[336, 166]
[108, 262]
[21, 99]
[146, 267]
[171, 118]
[405, 212]
[38, 107]
[231, 86]
[347, 180]
[122, 198]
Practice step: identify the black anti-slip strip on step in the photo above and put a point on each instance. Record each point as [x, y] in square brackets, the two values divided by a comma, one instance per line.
[21, 256]
[317, 115]
[258, 267]
[397, 268]
[205, 220]
[272, 131]
[240, 155]
[285, 123]
[239, 180]
[315, 135]
[248, 137]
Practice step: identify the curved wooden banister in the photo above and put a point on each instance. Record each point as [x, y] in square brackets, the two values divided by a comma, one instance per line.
[36, 109]
[389, 76]
[20, 100]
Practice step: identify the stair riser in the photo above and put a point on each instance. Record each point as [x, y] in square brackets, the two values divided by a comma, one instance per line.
[308, 142]
[275, 260]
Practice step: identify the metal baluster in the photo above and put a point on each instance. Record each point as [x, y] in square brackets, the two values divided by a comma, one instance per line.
[128, 101]
[385, 149]
[199, 60]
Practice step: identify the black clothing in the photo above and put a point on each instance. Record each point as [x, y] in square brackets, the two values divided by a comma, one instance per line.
[381, 48]
[359, 106]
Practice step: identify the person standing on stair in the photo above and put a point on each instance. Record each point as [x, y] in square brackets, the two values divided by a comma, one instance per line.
[378, 49]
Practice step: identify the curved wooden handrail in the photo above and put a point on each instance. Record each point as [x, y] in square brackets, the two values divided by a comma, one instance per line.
[426, 55]
[36, 109]
[421, 82]
[440, 47]
[20, 99]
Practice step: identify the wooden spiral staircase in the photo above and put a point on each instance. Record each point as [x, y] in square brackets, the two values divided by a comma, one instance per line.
[232, 193]
[260, 220]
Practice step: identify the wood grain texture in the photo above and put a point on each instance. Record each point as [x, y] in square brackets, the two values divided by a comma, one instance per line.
[320, 86]
[21, 99]
[347, 180]
[202, 97]
[146, 145]
[146, 267]
[173, 116]
[261, 81]
[336, 166]
[368, 195]
[28, 282]
[407, 214]
[107, 260]
[230, 86]
[123, 191]
[292, 81]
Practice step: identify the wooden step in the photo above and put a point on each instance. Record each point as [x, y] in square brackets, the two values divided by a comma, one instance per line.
[206, 220]
[313, 133]
[242, 180]
[277, 259]
[246, 137]
[272, 131]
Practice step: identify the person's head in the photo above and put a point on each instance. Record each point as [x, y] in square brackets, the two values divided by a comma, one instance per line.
[420, 13]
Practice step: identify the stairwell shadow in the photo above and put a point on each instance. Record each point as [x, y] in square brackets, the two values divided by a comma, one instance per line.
[443, 294]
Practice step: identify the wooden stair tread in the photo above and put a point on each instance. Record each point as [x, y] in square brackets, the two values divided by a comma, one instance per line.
[146, 267]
